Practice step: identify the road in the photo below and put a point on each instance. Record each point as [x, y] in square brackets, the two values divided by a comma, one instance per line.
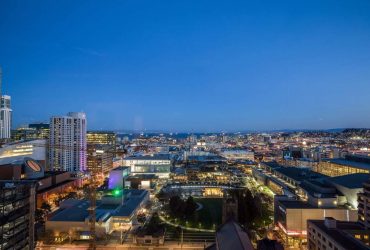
[166, 246]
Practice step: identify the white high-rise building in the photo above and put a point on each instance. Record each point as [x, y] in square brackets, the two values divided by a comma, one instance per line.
[67, 142]
[5, 117]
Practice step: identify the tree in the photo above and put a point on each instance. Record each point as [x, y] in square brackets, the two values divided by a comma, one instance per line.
[181, 208]
[190, 206]
[252, 212]
[39, 216]
[155, 225]
[46, 207]
[175, 205]
[141, 218]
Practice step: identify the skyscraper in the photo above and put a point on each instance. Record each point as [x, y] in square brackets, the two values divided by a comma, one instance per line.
[67, 142]
[5, 113]
[5, 117]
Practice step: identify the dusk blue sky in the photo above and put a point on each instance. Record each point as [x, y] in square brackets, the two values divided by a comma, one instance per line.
[190, 65]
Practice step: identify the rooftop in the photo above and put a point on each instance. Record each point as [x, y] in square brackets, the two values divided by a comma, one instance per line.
[131, 203]
[341, 233]
[149, 157]
[231, 236]
[299, 174]
[293, 204]
[76, 213]
[120, 168]
[272, 164]
[350, 181]
[77, 210]
[354, 164]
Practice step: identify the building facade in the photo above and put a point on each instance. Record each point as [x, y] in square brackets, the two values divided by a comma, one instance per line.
[159, 165]
[336, 235]
[101, 137]
[99, 158]
[32, 131]
[5, 117]
[67, 142]
[291, 216]
[17, 211]
[364, 206]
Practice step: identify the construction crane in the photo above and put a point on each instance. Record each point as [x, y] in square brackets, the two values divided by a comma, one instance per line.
[93, 185]
[92, 214]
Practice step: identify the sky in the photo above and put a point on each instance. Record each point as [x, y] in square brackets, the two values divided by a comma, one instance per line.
[188, 65]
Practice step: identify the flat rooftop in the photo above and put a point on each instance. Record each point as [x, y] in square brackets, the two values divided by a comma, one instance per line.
[120, 168]
[293, 204]
[341, 235]
[131, 203]
[77, 210]
[149, 157]
[76, 213]
[351, 181]
[272, 164]
[299, 174]
[312, 186]
[354, 164]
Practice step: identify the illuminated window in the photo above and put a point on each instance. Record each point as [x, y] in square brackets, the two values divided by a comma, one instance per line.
[357, 236]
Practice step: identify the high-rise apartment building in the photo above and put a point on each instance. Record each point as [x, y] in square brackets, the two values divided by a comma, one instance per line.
[17, 214]
[5, 117]
[67, 142]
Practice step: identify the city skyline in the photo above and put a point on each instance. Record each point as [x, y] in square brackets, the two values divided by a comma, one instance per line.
[189, 66]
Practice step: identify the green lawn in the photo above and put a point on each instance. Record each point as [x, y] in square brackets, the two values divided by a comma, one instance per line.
[209, 217]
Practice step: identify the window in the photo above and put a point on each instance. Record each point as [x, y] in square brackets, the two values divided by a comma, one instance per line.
[357, 236]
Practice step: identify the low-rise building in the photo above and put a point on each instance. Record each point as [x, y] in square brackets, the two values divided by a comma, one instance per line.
[158, 164]
[291, 216]
[117, 177]
[35, 149]
[337, 235]
[237, 155]
[51, 184]
[116, 211]
[351, 164]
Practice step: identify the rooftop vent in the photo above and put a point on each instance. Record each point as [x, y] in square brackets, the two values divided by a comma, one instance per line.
[330, 222]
